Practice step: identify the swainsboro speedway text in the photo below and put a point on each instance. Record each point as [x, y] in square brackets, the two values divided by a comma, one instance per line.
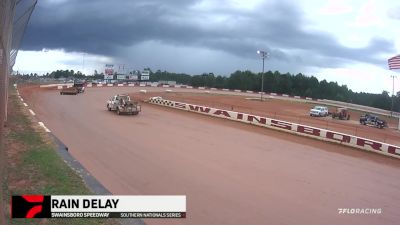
[80, 215]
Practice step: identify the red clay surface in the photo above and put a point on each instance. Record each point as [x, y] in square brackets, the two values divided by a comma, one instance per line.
[292, 111]
[232, 173]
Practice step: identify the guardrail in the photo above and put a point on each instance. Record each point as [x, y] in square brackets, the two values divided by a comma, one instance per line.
[359, 107]
[323, 101]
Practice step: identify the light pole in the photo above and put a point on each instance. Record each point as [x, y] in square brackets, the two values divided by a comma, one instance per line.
[83, 61]
[264, 55]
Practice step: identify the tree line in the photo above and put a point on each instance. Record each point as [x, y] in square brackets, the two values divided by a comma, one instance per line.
[62, 74]
[286, 83]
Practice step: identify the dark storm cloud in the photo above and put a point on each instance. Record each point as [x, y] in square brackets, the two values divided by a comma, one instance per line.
[105, 27]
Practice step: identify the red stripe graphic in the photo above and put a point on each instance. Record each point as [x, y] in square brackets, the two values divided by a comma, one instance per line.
[33, 211]
[394, 62]
[36, 209]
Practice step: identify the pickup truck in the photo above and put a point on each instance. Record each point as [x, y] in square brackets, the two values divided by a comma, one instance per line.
[123, 104]
[372, 120]
[319, 111]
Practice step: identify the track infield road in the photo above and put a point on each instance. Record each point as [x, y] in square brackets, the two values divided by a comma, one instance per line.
[231, 173]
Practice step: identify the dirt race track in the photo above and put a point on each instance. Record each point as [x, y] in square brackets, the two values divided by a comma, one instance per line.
[231, 173]
[292, 111]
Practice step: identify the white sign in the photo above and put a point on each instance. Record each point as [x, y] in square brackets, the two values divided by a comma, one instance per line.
[121, 77]
[118, 206]
[108, 77]
[144, 77]
[118, 203]
[133, 77]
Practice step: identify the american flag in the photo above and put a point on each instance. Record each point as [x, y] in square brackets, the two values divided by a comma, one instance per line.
[394, 62]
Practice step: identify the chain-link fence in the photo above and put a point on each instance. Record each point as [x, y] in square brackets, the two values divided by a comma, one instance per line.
[6, 15]
[14, 16]
[23, 12]
[7, 9]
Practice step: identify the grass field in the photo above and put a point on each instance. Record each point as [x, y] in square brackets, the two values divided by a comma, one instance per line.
[34, 167]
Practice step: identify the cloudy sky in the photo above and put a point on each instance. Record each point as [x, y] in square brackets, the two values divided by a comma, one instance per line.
[337, 40]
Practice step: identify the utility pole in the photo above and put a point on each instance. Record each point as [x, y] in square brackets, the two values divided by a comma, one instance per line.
[264, 55]
[83, 62]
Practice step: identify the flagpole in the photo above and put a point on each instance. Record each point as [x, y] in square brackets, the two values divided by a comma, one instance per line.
[391, 111]
[394, 64]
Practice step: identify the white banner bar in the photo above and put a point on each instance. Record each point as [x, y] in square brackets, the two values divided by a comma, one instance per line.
[118, 203]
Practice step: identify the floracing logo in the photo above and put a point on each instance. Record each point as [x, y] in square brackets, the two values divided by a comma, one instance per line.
[30, 206]
[365, 211]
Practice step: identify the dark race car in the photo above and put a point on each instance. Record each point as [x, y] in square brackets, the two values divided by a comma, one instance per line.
[372, 120]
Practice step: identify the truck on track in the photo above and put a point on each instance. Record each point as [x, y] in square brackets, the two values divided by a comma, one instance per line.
[69, 91]
[372, 120]
[319, 111]
[122, 104]
[80, 85]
